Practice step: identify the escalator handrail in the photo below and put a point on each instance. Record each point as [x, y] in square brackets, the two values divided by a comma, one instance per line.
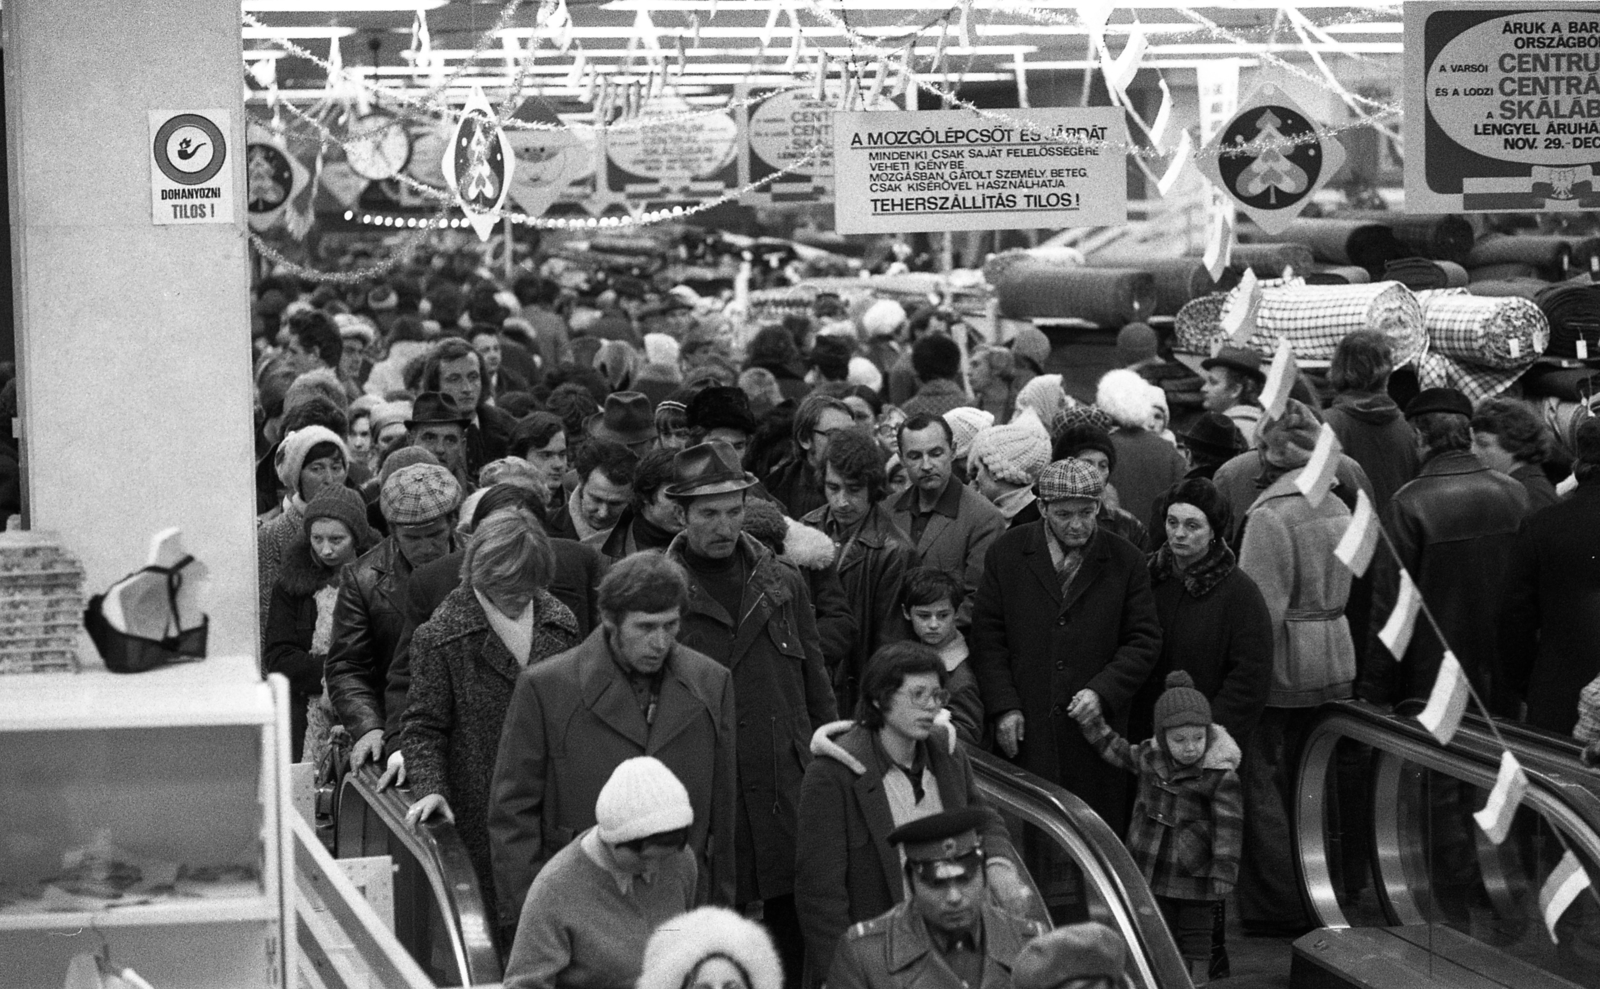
[1057, 810]
[438, 849]
[1553, 745]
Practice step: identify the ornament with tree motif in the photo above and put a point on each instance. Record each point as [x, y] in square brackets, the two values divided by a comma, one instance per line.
[1270, 159]
[477, 164]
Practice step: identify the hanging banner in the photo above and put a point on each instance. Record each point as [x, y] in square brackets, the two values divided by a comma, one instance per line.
[191, 179]
[478, 163]
[1503, 107]
[685, 156]
[1253, 160]
[778, 132]
[922, 171]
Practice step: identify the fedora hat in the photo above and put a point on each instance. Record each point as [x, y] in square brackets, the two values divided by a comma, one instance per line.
[1214, 432]
[1240, 359]
[707, 469]
[627, 419]
[432, 406]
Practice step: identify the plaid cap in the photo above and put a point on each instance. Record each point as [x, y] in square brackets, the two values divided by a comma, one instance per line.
[1070, 478]
[419, 494]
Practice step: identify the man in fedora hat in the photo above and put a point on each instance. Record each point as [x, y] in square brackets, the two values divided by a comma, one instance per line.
[627, 419]
[1211, 441]
[439, 425]
[753, 613]
[947, 934]
[1233, 380]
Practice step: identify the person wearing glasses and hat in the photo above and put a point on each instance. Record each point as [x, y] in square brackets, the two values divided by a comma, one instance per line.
[753, 613]
[947, 933]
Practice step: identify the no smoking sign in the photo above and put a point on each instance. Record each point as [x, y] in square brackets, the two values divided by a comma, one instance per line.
[191, 177]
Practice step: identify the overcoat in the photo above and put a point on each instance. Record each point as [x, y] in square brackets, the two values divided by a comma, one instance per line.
[895, 951]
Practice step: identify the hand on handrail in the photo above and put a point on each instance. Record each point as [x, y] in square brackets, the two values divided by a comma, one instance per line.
[425, 808]
[395, 773]
[368, 748]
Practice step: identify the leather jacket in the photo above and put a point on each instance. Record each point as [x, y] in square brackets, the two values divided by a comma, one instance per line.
[369, 620]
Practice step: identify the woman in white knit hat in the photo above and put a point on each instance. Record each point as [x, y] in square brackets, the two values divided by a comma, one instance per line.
[711, 948]
[592, 908]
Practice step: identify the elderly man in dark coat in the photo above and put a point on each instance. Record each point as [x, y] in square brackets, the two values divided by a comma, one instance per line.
[1064, 619]
[627, 690]
[752, 613]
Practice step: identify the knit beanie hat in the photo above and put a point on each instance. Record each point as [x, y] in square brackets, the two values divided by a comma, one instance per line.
[291, 455]
[641, 798]
[865, 373]
[1030, 342]
[883, 318]
[1135, 342]
[660, 349]
[341, 504]
[1180, 704]
[406, 456]
[419, 494]
[966, 422]
[1014, 454]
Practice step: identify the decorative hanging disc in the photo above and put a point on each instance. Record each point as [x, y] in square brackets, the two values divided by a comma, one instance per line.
[1252, 160]
[273, 176]
[382, 150]
[477, 164]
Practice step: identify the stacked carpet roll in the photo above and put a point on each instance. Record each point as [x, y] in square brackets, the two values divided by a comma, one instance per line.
[1363, 244]
[1441, 237]
[1553, 257]
[1107, 297]
[1569, 384]
[996, 267]
[1269, 260]
[1420, 273]
[1573, 310]
[1177, 280]
[1338, 274]
[1314, 318]
[1526, 288]
[1504, 334]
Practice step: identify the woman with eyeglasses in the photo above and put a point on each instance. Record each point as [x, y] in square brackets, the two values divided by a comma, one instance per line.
[592, 908]
[895, 763]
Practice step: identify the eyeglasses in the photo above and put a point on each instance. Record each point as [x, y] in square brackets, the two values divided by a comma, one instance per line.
[926, 697]
[674, 840]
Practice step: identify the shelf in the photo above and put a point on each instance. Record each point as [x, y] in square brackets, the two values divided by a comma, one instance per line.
[196, 911]
[224, 690]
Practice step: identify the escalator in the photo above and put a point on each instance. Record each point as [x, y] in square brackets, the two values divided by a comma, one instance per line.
[1406, 887]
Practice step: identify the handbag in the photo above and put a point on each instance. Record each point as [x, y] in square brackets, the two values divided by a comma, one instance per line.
[126, 652]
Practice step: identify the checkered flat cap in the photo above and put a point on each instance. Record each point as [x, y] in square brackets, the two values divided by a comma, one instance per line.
[418, 494]
[1070, 478]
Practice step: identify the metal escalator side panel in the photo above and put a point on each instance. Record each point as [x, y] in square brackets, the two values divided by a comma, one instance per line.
[1100, 855]
[373, 822]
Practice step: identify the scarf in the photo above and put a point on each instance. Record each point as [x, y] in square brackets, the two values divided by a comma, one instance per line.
[1202, 576]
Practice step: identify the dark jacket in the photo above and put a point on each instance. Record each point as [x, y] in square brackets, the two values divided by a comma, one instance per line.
[958, 535]
[781, 690]
[462, 677]
[574, 583]
[1214, 626]
[1453, 529]
[848, 871]
[1541, 493]
[1549, 645]
[1146, 466]
[812, 552]
[291, 629]
[573, 719]
[488, 439]
[368, 623]
[797, 489]
[1032, 650]
[872, 566]
[1375, 435]
[895, 951]
[621, 540]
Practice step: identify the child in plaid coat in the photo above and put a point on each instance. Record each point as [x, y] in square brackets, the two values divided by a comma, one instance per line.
[1188, 818]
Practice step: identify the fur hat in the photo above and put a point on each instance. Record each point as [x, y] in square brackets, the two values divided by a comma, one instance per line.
[1077, 951]
[1181, 704]
[721, 407]
[1014, 453]
[358, 327]
[883, 318]
[1125, 397]
[679, 945]
[291, 455]
[660, 349]
[341, 504]
[865, 373]
[1289, 439]
[641, 798]
[966, 422]
[321, 382]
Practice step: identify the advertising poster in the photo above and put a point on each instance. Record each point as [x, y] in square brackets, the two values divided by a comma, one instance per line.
[1502, 107]
[934, 170]
[685, 156]
[779, 131]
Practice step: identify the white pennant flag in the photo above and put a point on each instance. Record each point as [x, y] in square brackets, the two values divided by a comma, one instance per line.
[1219, 241]
[1509, 787]
[1360, 540]
[765, 38]
[1158, 130]
[1119, 72]
[964, 33]
[1281, 377]
[1180, 161]
[1566, 881]
[1239, 315]
[1396, 632]
[1447, 702]
[1316, 477]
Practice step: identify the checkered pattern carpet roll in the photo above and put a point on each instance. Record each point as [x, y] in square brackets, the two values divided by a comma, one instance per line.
[1506, 333]
[1314, 318]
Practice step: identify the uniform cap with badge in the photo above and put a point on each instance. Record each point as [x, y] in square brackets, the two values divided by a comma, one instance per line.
[943, 847]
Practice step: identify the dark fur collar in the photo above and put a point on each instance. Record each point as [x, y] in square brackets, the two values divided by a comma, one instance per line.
[1201, 578]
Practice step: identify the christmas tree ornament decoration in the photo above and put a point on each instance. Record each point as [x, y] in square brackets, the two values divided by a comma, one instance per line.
[1270, 159]
[477, 164]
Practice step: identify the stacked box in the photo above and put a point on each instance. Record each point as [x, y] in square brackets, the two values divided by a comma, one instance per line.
[41, 604]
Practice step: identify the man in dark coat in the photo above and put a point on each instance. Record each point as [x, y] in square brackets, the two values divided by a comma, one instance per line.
[1453, 529]
[369, 617]
[874, 553]
[797, 481]
[752, 613]
[627, 690]
[1064, 619]
[651, 520]
[1548, 643]
[454, 368]
[1369, 424]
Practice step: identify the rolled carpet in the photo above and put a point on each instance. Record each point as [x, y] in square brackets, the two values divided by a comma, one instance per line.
[1440, 236]
[1107, 297]
[1574, 313]
[1571, 384]
[1551, 255]
[1507, 333]
[1314, 318]
[1269, 260]
[1338, 274]
[1527, 288]
[1177, 280]
[1421, 273]
[1366, 245]
[1505, 272]
[1435, 370]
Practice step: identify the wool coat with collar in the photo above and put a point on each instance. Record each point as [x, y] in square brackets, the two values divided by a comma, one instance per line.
[1033, 648]
[781, 695]
[812, 553]
[957, 537]
[462, 677]
[302, 603]
[895, 951]
[848, 871]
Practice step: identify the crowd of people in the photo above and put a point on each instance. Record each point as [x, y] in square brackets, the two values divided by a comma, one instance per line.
[595, 571]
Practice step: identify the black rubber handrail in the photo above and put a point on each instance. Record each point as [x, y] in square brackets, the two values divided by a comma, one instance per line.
[438, 850]
[1099, 852]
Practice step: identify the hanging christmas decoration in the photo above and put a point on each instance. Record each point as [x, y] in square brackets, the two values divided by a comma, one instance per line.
[1270, 159]
[477, 164]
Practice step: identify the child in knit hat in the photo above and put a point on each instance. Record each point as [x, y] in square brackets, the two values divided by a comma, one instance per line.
[1188, 817]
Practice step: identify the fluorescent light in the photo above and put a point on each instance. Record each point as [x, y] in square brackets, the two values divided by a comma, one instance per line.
[267, 33]
[336, 6]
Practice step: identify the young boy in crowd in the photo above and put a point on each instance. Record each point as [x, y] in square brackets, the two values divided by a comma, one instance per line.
[1188, 817]
[930, 599]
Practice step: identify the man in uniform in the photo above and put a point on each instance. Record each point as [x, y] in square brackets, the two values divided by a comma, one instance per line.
[947, 934]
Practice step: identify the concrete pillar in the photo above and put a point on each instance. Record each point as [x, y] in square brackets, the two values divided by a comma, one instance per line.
[133, 340]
